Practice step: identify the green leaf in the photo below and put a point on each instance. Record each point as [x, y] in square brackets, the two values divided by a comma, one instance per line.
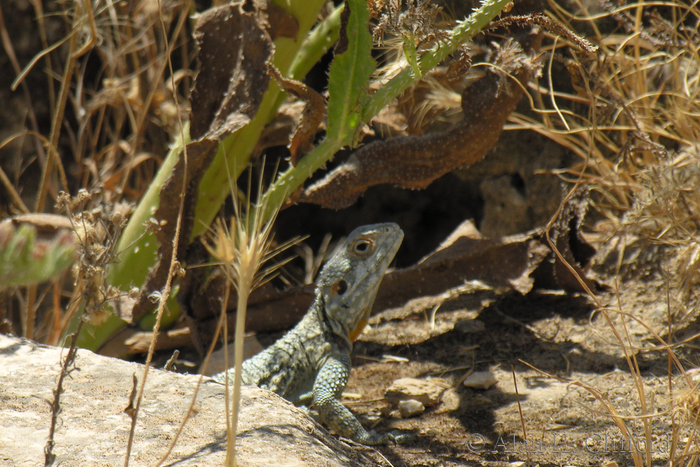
[350, 73]
[25, 260]
[323, 36]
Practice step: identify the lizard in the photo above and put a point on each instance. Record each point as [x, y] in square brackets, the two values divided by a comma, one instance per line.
[310, 365]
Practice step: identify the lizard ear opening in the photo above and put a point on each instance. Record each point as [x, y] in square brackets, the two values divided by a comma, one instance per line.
[340, 287]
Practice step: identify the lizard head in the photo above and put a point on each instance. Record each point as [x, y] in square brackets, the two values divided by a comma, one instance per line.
[349, 281]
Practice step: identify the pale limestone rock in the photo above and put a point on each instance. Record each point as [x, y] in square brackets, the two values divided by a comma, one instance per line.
[426, 392]
[480, 380]
[410, 407]
[93, 428]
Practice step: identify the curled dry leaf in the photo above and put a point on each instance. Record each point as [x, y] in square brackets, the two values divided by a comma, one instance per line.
[414, 162]
[311, 116]
[279, 131]
[565, 235]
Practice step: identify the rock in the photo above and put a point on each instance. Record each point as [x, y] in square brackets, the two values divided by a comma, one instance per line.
[410, 407]
[251, 347]
[694, 374]
[424, 391]
[480, 380]
[93, 429]
[449, 402]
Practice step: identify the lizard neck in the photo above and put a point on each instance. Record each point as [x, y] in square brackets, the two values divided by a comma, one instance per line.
[333, 329]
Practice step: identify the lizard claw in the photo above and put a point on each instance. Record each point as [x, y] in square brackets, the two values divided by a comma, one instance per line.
[398, 437]
[395, 437]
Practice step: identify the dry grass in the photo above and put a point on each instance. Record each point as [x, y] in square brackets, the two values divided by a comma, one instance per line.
[632, 118]
[242, 248]
[113, 112]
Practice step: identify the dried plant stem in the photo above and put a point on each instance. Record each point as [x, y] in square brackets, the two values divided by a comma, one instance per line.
[9, 50]
[227, 395]
[245, 285]
[49, 456]
[172, 271]
[520, 411]
[29, 321]
[40, 19]
[142, 116]
[53, 157]
[5, 181]
[162, 299]
[243, 247]
[57, 120]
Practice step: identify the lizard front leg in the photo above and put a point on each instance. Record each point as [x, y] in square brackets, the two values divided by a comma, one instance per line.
[329, 385]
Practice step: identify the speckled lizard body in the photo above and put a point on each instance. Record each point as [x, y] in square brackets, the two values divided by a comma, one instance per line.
[310, 365]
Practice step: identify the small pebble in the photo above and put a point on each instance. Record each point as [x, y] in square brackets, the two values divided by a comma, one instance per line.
[480, 380]
[424, 391]
[410, 407]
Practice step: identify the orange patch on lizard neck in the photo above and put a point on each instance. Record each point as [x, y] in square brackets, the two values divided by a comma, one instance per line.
[358, 330]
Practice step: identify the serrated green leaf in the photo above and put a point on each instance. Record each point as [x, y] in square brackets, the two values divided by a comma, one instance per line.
[463, 32]
[349, 74]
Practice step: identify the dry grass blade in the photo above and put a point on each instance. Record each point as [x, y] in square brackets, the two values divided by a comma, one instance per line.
[520, 410]
[221, 324]
[57, 120]
[637, 140]
[175, 267]
[242, 248]
[161, 298]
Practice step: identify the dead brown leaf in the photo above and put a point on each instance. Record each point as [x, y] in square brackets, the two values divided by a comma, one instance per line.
[415, 161]
[309, 120]
[234, 47]
[465, 256]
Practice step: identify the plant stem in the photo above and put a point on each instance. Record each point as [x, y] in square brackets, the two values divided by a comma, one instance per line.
[430, 59]
[319, 41]
[241, 309]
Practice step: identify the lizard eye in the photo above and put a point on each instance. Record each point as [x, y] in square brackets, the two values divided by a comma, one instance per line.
[363, 246]
[340, 287]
